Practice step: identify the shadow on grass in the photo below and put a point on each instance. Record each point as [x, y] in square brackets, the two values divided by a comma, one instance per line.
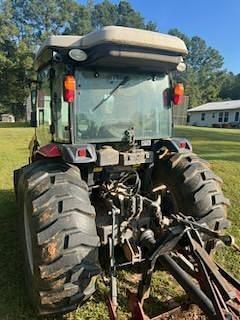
[157, 302]
[14, 125]
[13, 301]
[205, 133]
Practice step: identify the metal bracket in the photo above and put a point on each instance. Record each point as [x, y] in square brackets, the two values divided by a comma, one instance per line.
[218, 294]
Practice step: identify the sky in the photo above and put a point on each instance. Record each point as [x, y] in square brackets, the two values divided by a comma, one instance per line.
[216, 21]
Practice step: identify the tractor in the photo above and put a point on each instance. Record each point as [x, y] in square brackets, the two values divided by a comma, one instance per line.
[107, 186]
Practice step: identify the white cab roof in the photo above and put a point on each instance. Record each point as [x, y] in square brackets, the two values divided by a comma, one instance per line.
[116, 35]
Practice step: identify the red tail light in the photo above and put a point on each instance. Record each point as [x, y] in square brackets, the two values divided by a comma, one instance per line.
[69, 88]
[178, 94]
[82, 152]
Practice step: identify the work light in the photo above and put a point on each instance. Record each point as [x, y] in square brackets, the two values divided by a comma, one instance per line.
[77, 55]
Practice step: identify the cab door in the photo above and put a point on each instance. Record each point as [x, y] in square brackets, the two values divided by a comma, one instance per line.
[43, 110]
[60, 108]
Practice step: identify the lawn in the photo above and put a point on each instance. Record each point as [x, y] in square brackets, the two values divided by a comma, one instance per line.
[220, 146]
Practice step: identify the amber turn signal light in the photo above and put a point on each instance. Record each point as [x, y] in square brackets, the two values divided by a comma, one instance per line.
[178, 94]
[69, 88]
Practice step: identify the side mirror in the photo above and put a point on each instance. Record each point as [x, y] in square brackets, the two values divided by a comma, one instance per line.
[33, 121]
[34, 98]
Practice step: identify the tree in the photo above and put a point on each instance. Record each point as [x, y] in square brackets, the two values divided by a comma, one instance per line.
[79, 19]
[231, 87]
[24, 24]
[38, 19]
[121, 14]
[104, 14]
[151, 25]
[128, 17]
[8, 48]
[204, 76]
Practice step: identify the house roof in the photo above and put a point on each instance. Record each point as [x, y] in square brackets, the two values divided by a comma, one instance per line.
[214, 106]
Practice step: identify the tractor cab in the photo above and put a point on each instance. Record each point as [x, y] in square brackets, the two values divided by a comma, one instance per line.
[110, 86]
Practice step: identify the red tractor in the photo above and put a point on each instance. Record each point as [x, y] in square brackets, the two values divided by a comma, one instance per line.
[107, 186]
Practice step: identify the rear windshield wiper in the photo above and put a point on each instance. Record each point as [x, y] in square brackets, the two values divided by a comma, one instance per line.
[121, 83]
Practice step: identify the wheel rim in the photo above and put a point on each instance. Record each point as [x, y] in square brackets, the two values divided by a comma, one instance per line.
[28, 240]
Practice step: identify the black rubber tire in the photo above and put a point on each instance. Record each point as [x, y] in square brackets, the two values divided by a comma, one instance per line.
[57, 213]
[195, 189]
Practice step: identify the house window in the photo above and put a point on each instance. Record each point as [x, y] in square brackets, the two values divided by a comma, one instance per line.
[220, 117]
[236, 116]
[203, 116]
[213, 115]
[226, 114]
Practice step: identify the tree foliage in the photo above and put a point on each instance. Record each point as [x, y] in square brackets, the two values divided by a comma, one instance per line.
[204, 76]
[231, 87]
[15, 62]
[24, 24]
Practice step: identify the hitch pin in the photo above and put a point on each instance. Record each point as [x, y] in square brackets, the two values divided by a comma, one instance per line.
[229, 241]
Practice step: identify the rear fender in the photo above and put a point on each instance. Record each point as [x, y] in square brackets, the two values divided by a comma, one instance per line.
[178, 145]
[50, 150]
[81, 154]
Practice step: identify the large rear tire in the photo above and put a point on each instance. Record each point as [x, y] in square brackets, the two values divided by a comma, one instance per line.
[195, 189]
[58, 234]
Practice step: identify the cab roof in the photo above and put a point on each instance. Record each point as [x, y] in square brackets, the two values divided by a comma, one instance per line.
[119, 42]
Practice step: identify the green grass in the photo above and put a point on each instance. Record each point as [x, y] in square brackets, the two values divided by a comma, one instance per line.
[220, 146]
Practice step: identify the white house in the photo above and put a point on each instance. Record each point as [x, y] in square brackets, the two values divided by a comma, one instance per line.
[215, 114]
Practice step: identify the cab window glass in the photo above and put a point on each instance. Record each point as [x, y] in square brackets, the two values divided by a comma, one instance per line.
[44, 98]
[60, 107]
